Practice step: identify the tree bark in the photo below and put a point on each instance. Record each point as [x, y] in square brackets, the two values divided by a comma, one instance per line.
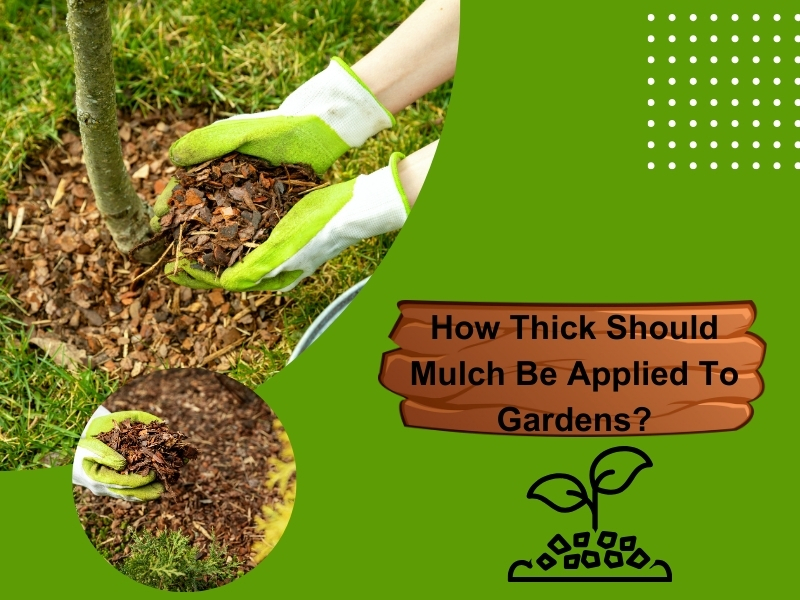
[124, 213]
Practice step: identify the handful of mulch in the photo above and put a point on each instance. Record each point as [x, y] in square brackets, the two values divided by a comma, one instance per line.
[222, 209]
[150, 446]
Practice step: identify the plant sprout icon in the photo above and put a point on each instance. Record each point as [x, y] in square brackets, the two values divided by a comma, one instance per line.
[595, 479]
[612, 472]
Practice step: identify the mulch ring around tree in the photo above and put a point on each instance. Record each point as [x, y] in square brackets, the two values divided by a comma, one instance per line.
[219, 493]
[223, 209]
[88, 302]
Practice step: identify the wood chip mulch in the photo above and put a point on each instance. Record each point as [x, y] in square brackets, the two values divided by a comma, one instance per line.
[223, 209]
[147, 447]
[74, 288]
[218, 494]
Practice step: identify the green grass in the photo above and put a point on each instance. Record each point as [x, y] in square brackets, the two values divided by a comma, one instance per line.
[232, 56]
[43, 407]
[228, 57]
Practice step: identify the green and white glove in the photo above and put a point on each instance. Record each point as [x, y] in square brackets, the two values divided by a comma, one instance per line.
[316, 229]
[96, 466]
[317, 123]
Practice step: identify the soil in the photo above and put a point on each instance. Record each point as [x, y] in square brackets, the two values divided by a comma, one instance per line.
[218, 494]
[74, 288]
[222, 209]
[147, 447]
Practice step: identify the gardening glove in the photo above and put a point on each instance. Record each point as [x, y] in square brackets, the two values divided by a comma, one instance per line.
[96, 466]
[161, 207]
[316, 229]
[317, 123]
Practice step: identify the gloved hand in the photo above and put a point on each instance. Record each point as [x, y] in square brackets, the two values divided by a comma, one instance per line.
[316, 229]
[96, 466]
[317, 123]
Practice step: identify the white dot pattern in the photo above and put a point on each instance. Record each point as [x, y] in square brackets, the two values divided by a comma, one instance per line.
[671, 62]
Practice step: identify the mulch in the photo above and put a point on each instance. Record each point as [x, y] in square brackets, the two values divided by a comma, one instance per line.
[223, 209]
[150, 447]
[76, 289]
[217, 494]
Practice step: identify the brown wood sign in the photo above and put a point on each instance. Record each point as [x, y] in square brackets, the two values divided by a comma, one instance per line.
[580, 370]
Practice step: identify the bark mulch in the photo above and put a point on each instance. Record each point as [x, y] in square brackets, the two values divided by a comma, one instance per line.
[222, 209]
[150, 447]
[217, 494]
[76, 289]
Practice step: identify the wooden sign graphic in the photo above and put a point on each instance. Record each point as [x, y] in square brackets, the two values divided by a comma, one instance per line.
[544, 369]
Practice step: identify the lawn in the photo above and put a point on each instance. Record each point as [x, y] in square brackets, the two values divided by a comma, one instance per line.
[225, 57]
[42, 406]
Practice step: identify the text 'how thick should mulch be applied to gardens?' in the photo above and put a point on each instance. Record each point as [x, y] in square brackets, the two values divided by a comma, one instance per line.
[536, 369]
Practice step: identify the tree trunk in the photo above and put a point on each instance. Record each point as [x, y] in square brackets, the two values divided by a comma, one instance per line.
[123, 212]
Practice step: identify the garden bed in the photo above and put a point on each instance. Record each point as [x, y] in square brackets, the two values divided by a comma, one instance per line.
[76, 289]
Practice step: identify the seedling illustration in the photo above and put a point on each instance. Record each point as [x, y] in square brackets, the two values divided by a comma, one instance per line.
[595, 480]
[611, 473]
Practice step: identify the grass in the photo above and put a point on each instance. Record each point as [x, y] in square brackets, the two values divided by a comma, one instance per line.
[229, 57]
[235, 57]
[43, 407]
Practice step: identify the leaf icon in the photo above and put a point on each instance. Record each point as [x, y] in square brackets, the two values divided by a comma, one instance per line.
[618, 467]
[555, 496]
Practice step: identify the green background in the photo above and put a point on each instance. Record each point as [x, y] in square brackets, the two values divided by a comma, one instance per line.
[539, 193]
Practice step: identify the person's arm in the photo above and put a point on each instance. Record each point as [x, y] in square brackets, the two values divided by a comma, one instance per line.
[414, 169]
[334, 111]
[417, 57]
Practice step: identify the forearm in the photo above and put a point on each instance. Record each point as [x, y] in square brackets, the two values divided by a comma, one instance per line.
[414, 169]
[417, 57]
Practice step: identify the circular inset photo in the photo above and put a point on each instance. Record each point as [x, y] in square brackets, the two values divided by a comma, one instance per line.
[184, 479]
